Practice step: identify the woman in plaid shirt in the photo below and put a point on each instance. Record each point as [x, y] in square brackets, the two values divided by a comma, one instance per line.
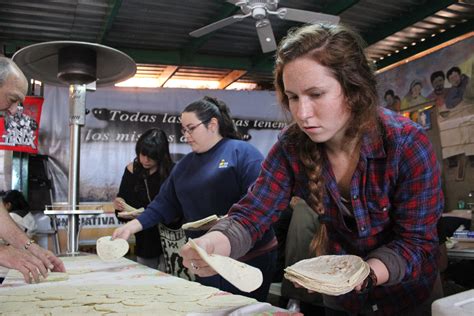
[370, 174]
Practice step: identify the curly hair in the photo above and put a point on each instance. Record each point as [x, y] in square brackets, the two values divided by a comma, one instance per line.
[341, 51]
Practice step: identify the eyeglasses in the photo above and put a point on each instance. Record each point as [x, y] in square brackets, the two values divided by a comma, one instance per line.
[190, 129]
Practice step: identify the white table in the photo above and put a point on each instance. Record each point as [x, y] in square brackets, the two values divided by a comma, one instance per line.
[122, 274]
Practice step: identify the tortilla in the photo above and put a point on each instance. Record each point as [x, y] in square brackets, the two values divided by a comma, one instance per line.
[192, 307]
[52, 276]
[202, 291]
[129, 209]
[55, 277]
[56, 296]
[243, 276]
[227, 301]
[200, 222]
[332, 275]
[108, 249]
[132, 211]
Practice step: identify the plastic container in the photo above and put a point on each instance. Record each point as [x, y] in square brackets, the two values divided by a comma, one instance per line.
[460, 304]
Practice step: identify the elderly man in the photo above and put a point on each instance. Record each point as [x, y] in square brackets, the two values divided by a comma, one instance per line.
[13, 85]
[22, 254]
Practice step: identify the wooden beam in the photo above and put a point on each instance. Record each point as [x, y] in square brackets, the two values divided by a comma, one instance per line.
[426, 52]
[166, 74]
[430, 42]
[418, 14]
[231, 77]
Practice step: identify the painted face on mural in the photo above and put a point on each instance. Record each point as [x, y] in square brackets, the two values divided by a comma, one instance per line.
[316, 100]
[416, 90]
[389, 100]
[455, 79]
[438, 84]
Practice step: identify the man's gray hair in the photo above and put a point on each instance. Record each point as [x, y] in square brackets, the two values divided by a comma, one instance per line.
[7, 67]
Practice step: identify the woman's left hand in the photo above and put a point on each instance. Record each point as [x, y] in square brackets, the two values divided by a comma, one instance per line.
[119, 204]
[378, 275]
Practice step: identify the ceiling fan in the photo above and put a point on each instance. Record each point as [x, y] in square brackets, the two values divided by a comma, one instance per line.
[260, 10]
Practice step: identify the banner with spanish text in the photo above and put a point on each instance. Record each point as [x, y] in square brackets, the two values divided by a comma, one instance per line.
[118, 116]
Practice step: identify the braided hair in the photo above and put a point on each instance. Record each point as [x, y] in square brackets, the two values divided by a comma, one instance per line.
[342, 52]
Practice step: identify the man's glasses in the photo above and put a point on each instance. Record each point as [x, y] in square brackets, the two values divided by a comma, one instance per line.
[190, 129]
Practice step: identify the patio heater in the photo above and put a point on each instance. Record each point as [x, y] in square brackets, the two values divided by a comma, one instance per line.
[75, 64]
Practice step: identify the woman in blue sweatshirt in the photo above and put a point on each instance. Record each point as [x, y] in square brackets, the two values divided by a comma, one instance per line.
[209, 180]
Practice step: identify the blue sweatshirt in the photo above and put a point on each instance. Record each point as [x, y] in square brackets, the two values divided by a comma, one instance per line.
[204, 184]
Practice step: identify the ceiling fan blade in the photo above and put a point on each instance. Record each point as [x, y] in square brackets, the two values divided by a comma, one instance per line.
[217, 25]
[265, 35]
[234, 2]
[307, 16]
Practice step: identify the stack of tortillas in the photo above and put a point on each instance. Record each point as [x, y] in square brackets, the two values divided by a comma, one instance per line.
[241, 275]
[332, 275]
[108, 249]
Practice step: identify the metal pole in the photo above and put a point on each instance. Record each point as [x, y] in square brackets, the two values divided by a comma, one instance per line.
[77, 111]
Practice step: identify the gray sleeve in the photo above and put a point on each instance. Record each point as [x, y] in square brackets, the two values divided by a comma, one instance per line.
[396, 264]
[239, 237]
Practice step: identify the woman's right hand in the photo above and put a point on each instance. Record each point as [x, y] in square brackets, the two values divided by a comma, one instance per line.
[119, 204]
[128, 229]
[213, 243]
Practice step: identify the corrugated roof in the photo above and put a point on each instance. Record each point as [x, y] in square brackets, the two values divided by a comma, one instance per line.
[156, 32]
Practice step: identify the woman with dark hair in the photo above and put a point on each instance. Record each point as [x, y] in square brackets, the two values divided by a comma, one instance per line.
[141, 182]
[207, 181]
[19, 209]
[369, 173]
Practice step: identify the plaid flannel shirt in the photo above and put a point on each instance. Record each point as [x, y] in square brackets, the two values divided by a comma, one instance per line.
[396, 198]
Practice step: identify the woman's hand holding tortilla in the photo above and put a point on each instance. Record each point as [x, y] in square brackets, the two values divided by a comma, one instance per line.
[130, 214]
[119, 204]
[127, 230]
[212, 243]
